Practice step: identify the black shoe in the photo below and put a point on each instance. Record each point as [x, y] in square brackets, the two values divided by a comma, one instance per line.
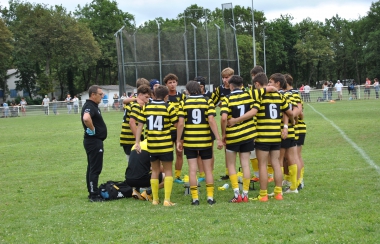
[211, 202]
[196, 202]
[224, 177]
[96, 198]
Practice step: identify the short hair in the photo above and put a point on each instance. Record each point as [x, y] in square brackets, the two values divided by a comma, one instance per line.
[278, 77]
[227, 72]
[201, 80]
[144, 89]
[289, 79]
[161, 92]
[141, 81]
[261, 78]
[91, 90]
[236, 81]
[193, 87]
[170, 76]
[257, 69]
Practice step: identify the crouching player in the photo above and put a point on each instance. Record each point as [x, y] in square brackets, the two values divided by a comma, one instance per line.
[196, 118]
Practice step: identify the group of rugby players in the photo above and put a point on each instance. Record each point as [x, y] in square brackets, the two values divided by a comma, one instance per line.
[263, 124]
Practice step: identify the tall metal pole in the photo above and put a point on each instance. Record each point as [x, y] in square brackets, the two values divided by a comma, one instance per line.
[253, 37]
[195, 50]
[237, 49]
[208, 51]
[265, 60]
[159, 50]
[220, 60]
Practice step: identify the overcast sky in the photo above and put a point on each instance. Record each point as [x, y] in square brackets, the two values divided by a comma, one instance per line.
[144, 10]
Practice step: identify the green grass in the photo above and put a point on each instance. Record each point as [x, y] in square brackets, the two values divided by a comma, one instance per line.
[44, 198]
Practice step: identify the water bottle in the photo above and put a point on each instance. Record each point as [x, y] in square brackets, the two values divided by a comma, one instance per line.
[224, 187]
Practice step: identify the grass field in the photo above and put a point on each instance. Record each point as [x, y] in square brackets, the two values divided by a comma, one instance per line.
[44, 197]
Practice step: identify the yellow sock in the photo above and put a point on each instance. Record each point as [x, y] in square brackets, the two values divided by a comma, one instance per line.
[255, 164]
[302, 172]
[277, 190]
[286, 177]
[201, 174]
[263, 193]
[293, 176]
[246, 183]
[234, 181]
[194, 192]
[154, 185]
[226, 171]
[270, 169]
[177, 173]
[210, 190]
[168, 186]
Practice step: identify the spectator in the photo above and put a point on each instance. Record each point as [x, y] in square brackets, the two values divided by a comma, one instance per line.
[115, 101]
[367, 88]
[338, 88]
[54, 101]
[23, 104]
[353, 90]
[45, 102]
[307, 93]
[105, 102]
[376, 86]
[76, 104]
[68, 102]
[6, 109]
[330, 90]
[302, 89]
[325, 88]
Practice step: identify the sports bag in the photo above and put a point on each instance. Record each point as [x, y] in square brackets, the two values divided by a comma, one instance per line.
[112, 190]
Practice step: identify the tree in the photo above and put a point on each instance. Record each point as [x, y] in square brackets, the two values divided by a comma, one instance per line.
[6, 46]
[104, 18]
[312, 47]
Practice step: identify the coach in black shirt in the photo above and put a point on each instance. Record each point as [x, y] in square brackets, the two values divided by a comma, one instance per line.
[95, 132]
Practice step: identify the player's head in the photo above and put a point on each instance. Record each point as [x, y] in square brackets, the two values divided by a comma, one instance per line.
[193, 87]
[144, 93]
[235, 82]
[171, 81]
[260, 80]
[289, 81]
[161, 92]
[154, 84]
[226, 74]
[202, 82]
[277, 80]
[257, 69]
[141, 81]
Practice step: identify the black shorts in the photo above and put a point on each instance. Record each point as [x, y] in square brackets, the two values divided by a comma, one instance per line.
[267, 147]
[204, 154]
[245, 147]
[127, 149]
[143, 182]
[301, 139]
[288, 143]
[166, 157]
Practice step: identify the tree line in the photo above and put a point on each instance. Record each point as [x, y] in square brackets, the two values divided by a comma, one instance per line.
[52, 47]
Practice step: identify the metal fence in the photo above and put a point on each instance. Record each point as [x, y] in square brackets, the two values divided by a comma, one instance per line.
[188, 51]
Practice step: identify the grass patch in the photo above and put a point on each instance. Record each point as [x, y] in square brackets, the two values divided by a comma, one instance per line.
[44, 197]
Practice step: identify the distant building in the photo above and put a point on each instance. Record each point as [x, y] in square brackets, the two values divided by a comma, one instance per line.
[11, 82]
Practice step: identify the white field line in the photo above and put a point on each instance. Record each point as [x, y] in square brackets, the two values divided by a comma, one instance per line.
[353, 144]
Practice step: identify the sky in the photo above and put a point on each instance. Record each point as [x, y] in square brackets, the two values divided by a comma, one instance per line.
[145, 10]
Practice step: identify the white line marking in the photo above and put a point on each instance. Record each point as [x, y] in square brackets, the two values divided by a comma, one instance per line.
[353, 144]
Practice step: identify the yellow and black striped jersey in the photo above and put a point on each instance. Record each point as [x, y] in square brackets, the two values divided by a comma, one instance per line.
[219, 93]
[126, 135]
[291, 130]
[235, 105]
[269, 118]
[197, 132]
[158, 117]
[300, 126]
[176, 100]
